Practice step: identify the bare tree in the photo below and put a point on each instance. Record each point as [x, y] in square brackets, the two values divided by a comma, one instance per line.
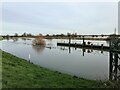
[16, 35]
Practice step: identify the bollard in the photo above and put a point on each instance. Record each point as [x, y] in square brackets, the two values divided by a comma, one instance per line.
[75, 44]
[69, 41]
[83, 40]
[91, 45]
[101, 46]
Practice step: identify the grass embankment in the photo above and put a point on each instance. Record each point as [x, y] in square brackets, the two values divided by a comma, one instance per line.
[19, 73]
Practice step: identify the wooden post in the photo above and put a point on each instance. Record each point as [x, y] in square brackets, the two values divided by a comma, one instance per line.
[101, 46]
[111, 44]
[69, 40]
[116, 64]
[83, 51]
[29, 57]
[113, 66]
[69, 49]
[83, 41]
[110, 65]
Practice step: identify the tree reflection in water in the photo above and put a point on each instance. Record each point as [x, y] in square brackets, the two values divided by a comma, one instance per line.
[15, 39]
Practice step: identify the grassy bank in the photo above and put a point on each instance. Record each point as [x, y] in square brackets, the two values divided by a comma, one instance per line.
[19, 73]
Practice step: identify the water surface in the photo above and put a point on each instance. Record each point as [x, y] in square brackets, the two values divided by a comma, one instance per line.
[92, 64]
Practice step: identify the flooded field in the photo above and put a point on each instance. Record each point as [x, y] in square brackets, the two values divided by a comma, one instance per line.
[84, 63]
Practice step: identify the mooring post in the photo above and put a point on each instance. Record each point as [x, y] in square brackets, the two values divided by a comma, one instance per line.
[111, 45]
[29, 57]
[101, 46]
[83, 41]
[110, 65]
[83, 51]
[75, 44]
[101, 51]
[69, 40]
[69, 49]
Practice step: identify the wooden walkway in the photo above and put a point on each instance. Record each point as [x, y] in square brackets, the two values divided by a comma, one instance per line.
[96, 47]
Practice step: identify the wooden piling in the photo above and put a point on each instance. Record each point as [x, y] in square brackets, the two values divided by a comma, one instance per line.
[83, 41]
[69, 40]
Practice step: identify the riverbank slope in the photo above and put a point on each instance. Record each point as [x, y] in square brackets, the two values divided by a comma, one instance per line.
[19, 73]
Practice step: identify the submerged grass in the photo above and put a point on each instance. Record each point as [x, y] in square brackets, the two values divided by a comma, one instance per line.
[19, 73]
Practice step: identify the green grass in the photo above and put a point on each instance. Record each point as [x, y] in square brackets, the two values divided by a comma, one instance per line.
[19, 73]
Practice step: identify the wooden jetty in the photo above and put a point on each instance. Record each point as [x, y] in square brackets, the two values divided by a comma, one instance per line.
[84, 46]
[114, 54]
[91, 46]
[95, 47]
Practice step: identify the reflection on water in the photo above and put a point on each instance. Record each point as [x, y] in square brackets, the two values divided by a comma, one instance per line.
[81, 62]
[15, 39]
[24, 39]
[114, 61]
[114, 66]
[84, 50]
[38, 48]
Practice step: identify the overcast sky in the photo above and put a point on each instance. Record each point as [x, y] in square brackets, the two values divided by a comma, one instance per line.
[59, 17]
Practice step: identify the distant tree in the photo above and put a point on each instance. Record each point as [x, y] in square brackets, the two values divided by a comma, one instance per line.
[24, 34]
[102, 35]
[40, 34]
[53, 35]
[72, 34]
[92, 35]
[16, 35]
[75, 34]
[47, 35]
[68, 34]
[62, 34]
[79, 36]
[29, 34]
[7, 36]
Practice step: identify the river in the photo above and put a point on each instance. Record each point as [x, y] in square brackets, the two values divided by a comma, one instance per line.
[84, 63]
